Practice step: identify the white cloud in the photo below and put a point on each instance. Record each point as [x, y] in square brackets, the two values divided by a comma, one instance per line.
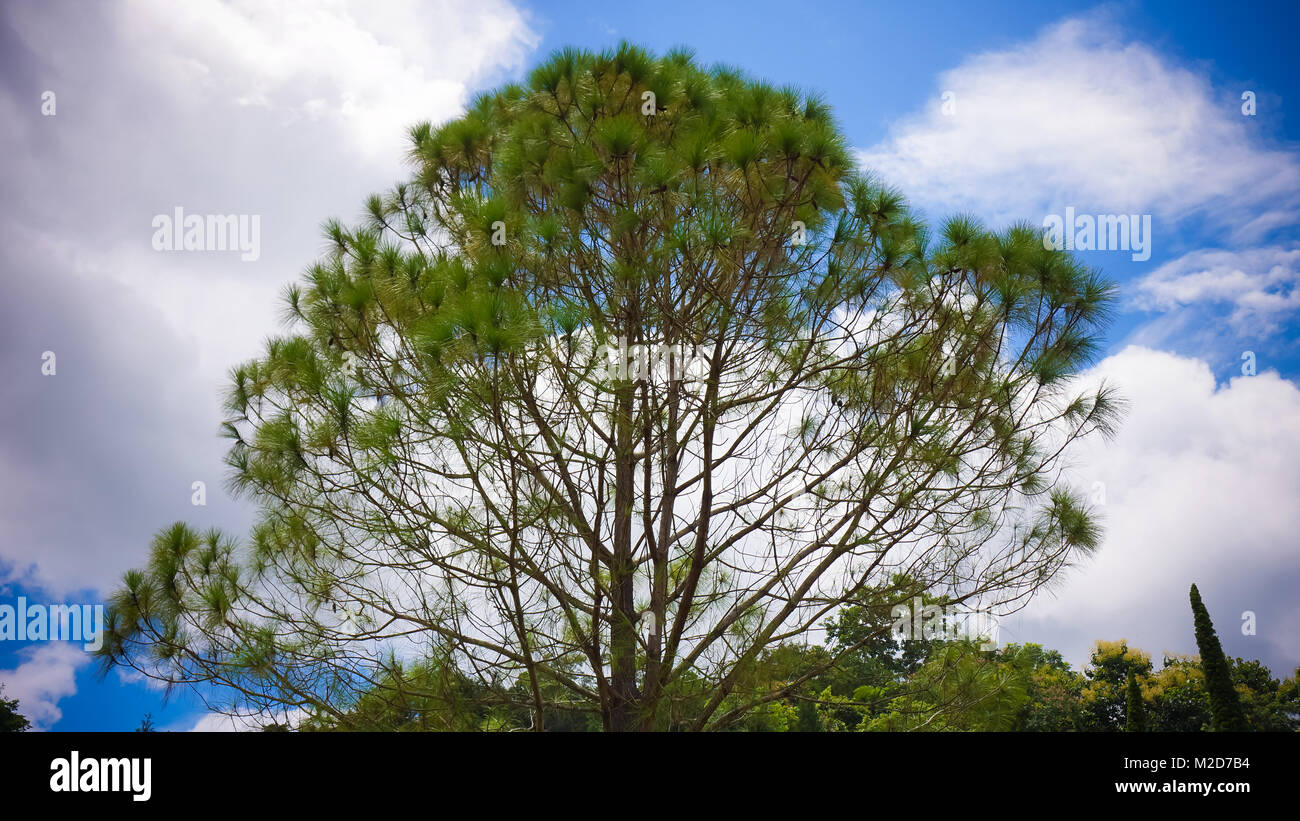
[1080, 116]
[221, 723]
[217, 723]
[1260, 284]
[374, 68]
[1200, 487]
[47, 675]
[291, 111]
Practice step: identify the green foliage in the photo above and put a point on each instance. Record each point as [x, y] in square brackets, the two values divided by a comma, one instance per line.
[872, 653]
[429, 697]
[443, 464]
[1135, 715]
[11, 721]
[1268, 705]
[1225, 706]
[1104, 696]
[923, 685]
[1055, 691]
[959, 688]
[1178, 699]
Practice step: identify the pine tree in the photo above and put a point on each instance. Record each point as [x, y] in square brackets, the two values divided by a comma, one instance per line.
[1136, 721]
[621, 388]
[1225, 707]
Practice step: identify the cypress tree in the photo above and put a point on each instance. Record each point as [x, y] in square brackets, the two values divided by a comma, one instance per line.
[1225, 707]
[1136, 711]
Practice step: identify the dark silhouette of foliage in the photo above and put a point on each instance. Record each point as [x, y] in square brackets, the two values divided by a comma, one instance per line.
[1135, 714]
[1225, 706]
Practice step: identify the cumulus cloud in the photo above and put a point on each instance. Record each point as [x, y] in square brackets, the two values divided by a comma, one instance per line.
[371, 67]
[47, 674]
[1081, 116]
[1199, 487]
[1258, 284]
[293, 112]
[218, 723]
[222, 723]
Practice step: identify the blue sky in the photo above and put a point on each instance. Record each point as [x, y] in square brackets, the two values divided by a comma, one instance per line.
[1121, 108]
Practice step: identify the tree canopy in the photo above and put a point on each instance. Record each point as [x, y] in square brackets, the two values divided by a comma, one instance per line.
[637, 379]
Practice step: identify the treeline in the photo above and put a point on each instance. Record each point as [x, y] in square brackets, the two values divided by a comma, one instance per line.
[868, 677]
